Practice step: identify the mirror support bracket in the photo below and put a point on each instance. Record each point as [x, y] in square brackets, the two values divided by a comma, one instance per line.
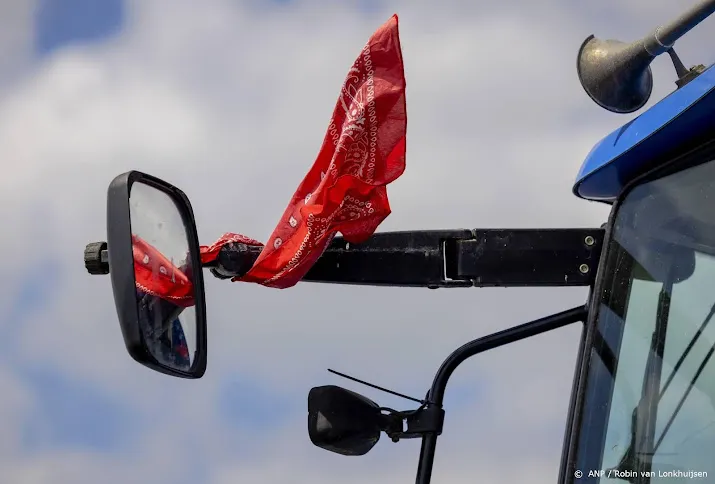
[435, 397]
[429, 420]
[439, 259]
[464, 258]
[414, 424]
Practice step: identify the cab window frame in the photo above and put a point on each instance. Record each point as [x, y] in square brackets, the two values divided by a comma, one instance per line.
[593, 384]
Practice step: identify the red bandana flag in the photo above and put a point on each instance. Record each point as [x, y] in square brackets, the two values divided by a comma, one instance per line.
[345, 190]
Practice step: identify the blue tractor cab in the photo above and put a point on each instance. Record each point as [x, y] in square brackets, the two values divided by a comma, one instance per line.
[681, 120]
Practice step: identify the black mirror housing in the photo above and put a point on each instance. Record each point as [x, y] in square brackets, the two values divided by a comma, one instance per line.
[160, 329]
[342, 421]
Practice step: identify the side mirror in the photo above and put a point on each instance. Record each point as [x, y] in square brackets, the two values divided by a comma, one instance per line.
[342, 421]
[155, 268]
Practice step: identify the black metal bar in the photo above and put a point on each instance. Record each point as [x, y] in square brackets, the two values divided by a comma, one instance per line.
[448, 258]
[527, 257]
[436, 258]
[234, 259]
[501, 338]
[407, 259]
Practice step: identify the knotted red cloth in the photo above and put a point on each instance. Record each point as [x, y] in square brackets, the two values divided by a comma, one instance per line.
[345, 190]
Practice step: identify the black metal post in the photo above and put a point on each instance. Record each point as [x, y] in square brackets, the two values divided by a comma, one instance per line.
[511, 335]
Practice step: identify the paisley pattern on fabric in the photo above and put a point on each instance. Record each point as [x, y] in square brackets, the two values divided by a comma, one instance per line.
[345, 190]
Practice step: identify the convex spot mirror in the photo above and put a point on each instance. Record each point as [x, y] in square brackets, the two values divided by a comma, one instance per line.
[342, 421]
[155, 268]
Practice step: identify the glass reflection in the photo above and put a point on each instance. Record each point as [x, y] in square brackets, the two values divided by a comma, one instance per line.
[164, 277]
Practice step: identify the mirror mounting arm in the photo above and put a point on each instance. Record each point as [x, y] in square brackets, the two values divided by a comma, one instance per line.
[354, 413]
[447, 258]
[432, 259]
[435, 397]
[233, 260]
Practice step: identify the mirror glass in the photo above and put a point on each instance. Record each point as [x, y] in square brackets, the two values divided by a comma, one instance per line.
[164, 277]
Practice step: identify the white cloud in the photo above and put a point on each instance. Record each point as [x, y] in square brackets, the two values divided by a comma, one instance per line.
[230, 101]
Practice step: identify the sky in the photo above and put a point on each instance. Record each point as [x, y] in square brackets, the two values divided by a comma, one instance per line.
[229, 100]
